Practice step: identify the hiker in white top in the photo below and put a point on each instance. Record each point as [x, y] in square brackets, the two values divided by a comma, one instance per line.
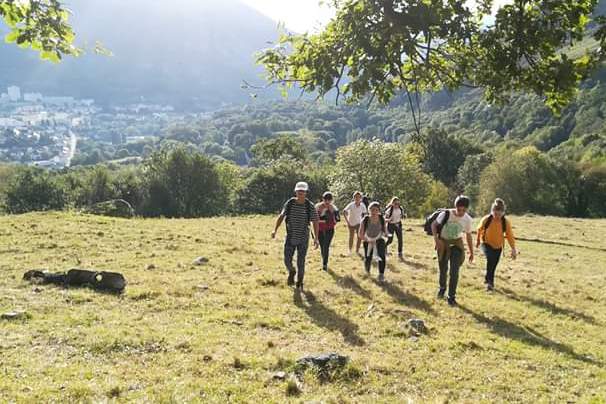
[353, 214]
[448, 230]
[394, 215]
[372, 230]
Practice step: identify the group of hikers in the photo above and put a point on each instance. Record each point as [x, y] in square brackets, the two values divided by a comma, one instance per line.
[374, 229]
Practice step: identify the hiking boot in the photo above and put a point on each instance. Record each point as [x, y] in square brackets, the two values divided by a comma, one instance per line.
[401, 257]
[381, 278]
[441, 293]
[325, 268]
[299, 285]
[291, 278]
[452, 301]
[367, 269]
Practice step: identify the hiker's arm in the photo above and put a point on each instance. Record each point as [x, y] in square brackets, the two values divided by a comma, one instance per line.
[278, 223]
[346, 216]
[511, 239]
[361, 231]
[470, 245]
[316, 232]
[435, 232]
[480, 234]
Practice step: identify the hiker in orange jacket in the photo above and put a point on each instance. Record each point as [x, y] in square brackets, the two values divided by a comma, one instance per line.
[492, 231]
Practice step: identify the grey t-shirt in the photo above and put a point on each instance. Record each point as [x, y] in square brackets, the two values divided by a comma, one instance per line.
[297, 223]
[373, 229]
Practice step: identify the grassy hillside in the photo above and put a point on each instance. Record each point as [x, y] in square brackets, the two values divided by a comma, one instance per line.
[217, 333]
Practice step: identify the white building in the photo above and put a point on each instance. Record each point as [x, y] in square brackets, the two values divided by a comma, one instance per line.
[32, 97]
[14, 93]
[58, 100]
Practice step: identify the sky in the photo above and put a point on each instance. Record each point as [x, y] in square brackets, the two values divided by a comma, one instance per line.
[302, 15]
[298, 15]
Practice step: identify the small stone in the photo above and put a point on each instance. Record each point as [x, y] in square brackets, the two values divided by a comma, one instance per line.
[279, 376]
[207, 358]
[417, 327]
[15, 315]
[202, 287]
[200, 261]
[150, 267]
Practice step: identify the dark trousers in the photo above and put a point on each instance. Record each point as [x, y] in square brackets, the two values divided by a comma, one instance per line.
[289, 253]
[381, 246]
[325, 238]
[453, 255]
[492, 260]
[395, 228]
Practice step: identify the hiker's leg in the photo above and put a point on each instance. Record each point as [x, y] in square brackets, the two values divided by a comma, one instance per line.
[329, 236]
[381, 249]
[367, 258]
[358, 242]
[289, 252]
[492, 260]
[390, 231]
[400, 239]
[323, 246]
[301, 255]
[455, 263]
[443, 267]
[352, 230]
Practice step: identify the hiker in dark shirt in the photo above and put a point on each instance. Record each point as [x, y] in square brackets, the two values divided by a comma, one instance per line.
[329, 216]
[298, 212]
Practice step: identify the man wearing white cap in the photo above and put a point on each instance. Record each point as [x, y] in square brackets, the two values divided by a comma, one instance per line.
[298, 212]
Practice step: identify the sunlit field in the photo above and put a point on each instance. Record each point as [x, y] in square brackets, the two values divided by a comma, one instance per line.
[220, 332]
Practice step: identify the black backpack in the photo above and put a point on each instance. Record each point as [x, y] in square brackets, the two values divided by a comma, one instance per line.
[489, 221]
[432, 218]
[389, 211]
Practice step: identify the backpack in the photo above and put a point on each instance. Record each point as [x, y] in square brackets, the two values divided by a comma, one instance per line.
[367, 218]
[432, 218]
[489, 221]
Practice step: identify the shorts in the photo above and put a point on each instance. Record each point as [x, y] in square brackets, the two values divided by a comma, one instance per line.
[356, 227]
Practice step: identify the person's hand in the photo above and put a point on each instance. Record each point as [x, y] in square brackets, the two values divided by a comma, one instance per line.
[438, 244]
[316, 244]
[514, 254]
[273, 234]
[478, 244]
[471, 257]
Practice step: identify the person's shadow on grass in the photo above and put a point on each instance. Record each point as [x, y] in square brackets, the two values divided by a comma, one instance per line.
[545, 305]
[404, 297]
[526, 335]
[348, 282]
[327, 318]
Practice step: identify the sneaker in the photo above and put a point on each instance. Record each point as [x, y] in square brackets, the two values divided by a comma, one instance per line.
[441, 293]
[401, 257]
[291, 278]
[367, 269]
[325, 268]
[452, 301]
[489, 287]
[381, 278]
[349, 253]
[299, 285]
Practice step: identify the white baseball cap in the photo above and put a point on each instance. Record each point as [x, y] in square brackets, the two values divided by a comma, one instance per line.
[301, 186]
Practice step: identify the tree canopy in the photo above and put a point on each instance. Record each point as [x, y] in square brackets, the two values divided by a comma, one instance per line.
[377, 49]
[41, 25]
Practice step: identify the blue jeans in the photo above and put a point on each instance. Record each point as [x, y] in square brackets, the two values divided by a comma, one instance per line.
[289, 253]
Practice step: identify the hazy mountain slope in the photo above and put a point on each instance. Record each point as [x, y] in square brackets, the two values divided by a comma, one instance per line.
[182, 51]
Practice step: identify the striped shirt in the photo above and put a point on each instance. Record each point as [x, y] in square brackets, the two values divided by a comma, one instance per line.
[297, 224]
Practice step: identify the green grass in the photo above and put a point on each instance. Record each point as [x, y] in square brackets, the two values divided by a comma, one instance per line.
[217, 333]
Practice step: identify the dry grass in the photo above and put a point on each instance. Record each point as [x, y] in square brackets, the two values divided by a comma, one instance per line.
[217, 333]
